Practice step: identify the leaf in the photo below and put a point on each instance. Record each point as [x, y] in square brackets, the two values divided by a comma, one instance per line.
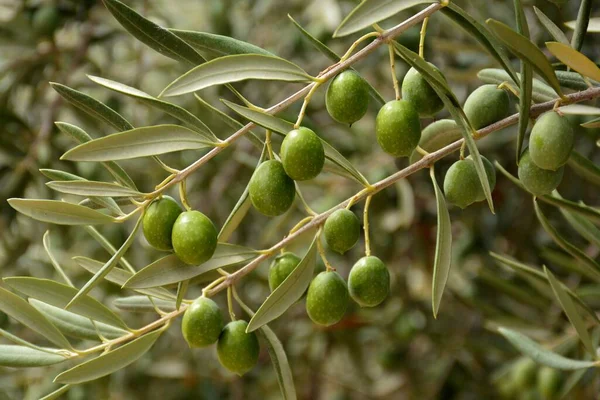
[579, 109]
[138, 142]
[109, 362]
[59, 295]
[551, 27]
[20, 310]
[92, 107]
[540, 354]
[571, 80]
[584, 227]
[57, 393]
[437, 135]
[288, 292]
[522, 47]
[581, 26]
[569, 308]
[152, 35]
[119, 276]
[590, 266]
[335, 58]
[370, 12]
[24, 357]
[112, 167]
[59, 212]
[215, 46]
[541, 92]
[172, 109]
[593, 26]
[74, 325]
[235, 68]
[92, 188]
[574, 59]
[443, 248]
[143, 304]
[526, 82]
[482, 34]
[110, 264]
[277, 354]
[283, 127]
[170, 269]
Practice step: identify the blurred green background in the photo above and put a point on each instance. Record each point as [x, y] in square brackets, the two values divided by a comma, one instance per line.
[395, 351]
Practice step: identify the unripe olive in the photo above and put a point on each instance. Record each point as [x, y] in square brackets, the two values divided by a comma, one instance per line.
[420, 94]
[237, 350]
[327, 298]
[398, 128]
[342, 230]
[490, 172]
[347, 97]
[202, 323]
[158, 222]
[281, 267]
[302, 154]
[461, 183]
[369, 282]
[45, 20]
[551, 141]
[271, 190]
[536, 180]
[194, 237]
[523, 373]
[486, 105]
[548, 382]
[437, 135]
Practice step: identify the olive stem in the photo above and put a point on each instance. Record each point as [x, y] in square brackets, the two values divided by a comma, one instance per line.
[462, 150]
[393, 71]
[213, 284]
[300, 224]
[268, 144]
[305, 104]
[506, 85]
[321, 250]
[357, 42]
[183, 196]
[164, 182]
[166, 167]
[366, 225]
[307, 208]
[230, 303]
[422, 37]
[422, 151]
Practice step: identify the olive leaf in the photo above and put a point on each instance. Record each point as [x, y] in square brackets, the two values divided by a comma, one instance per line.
[443, 248]
[593, 25]
[540, 354]
[581, 26]
[138, 142]
[23, 312]
[288, 292]
[152, 35]
[574, 59]
[522, 47]
[370, 12]
[59, 212]
[92, 188]
[24, 357]
[214, 46]
[569, 308]
[551, 27]
[584, 227]
[526, 83]
[437, 135]
[109, 362]
[57, 393]
[235, 68]
[143, 304]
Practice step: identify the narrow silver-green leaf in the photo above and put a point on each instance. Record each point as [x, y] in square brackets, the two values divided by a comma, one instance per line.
[551, 27]
[526, 83]
[593, 25]
[571, 312]
[138, 142]
[59, 212]
[57, 393]
[443, 248]
[109, 362]
[370, 12]
[143, 304]
[214, 46]
[92, 188]
[437, 135]
[59, 295]
[24, 357]
[170, 269]
[172, 109]
[584, 227]
[288, 292]
[581, 26]
[540, 354]
[235, 68]
[574, 59]
[20, 310]
[152, 35]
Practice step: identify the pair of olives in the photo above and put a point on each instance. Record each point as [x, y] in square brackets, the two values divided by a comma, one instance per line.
[203, 326]
[541, 166]
[190, 234]
[531, 381]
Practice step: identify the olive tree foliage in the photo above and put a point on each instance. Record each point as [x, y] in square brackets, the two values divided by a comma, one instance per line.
[119, 177]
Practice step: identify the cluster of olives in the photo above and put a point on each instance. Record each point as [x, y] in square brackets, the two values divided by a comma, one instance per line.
[190, 234]
[528, 381]
[328, 295]
[203, 326]
[541, 165]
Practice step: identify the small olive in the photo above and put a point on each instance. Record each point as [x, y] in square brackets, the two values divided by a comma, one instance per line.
[486, 105]
[194, 237]
[461, 183]
[237, 350]
[523, 373]
[420, 94]
[202, 323]
[271, 190]
[536, 180]
[347, 97]
[551, 141]
[342, 230]
[158, 222]
[281, 267]
[327, 298]
[302, 154]
[45, 20]
[398, 128]
[369, 282]
[548, 382]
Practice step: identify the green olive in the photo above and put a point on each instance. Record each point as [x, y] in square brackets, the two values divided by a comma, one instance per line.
[398, 128]
[281, 267]
[45, 20]
[347, 97]
[369, 282]
[536, 180]
[302, 154]
[327, 298]
[342, 230]
[551, 141]
[158, 222]
[486, 105]
[202, 323]
[420, 94]
[548, 382]
[523, 373]
[461, 183]
[194, 237]
[271, 190]
[237, 350]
